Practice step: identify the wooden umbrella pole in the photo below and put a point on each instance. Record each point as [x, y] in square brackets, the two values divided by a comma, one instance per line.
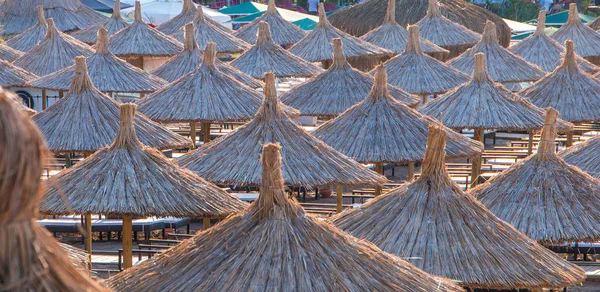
[424, 98]
[44, 101]
[206, 132]
[88, 234]
[569, 139]
[68, 159]
[127, 233]
[205, 223]
[339, 200]
[378, 169]
[411, 171]
[530, 143]
[476, 164]
[193, 134]
[61, 94]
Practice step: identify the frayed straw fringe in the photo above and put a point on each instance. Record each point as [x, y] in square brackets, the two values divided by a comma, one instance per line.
[26, 40]
[13, 76]
[112, 25]
[80, 259]
[187, 15]
[587, 41]
[284, 32]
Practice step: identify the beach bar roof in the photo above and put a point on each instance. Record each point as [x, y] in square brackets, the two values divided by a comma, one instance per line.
[112, 25]
[187, 15]
[26, 40]
[13, 76]
[587, 40]
[284, 32]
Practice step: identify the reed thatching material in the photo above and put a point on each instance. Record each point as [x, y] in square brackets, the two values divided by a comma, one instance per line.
[546, 53]
[306, 160]
[337, 89]
[113, 24]
[316, 45]
[30, 258]
[16, 15]
[584, 155]
[420, 74]
[392, 36]
[26, 40]
[13, 76]
[107, 72]
[587, 41]
[266, 56]
[544, 197]
[284, 32]
[141, 40]
[86, 120]
[381, 129]
[450, 234]
[595, 25]
[54, 52]
[575, 94]
[187, 15]
[129, 178]
[206, 32]
[190, 58]
[503, 66]
[80, 259]
[274, 245]
[9, 54]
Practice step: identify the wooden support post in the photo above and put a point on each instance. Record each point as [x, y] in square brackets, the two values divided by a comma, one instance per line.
[68, 159]
[193, 134]
[127, 234]
[44, 99]
[206, 132]
[476, 164]
[378, 169]
[88, 233]
[339, 201]
[411, 171]
[569, 139]
[424, 97]
[61, 94]
[205, 223]
[530, 143]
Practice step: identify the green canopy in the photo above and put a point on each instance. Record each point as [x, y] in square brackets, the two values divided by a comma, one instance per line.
[558, 19]
[245, 8]
[306, 24]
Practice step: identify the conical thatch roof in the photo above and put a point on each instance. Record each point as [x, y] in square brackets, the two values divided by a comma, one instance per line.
[54, 52]
[503, 66]
[206, 32]
[113, 24]
[26, 40]
[544, 197]
[107, 72]
[337, 89]
[16, 15]
[142, 183]
[274, 245]
[585, 38]
[392, 36]
[306, 160]
[584, 155]
[190, 58]
[380, 129]
[13, 76]
[316, 46]
[546, 53]
[452, 235]
[85, 120]
[284, 32]
[32, 260]
[139, 40]
[575, 94]
[418, 73]
[9, 54]
[595, 25]
[483, 104]
[266, 56]
[173, 25]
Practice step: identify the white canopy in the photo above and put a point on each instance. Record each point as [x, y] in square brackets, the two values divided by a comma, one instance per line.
[159, 11]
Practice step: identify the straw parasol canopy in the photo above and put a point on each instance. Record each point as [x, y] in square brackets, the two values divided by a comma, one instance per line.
[575, 94]
[266, 56]
[381, 129]
[140, 40]
[595, 25]
[107, 72]
[586, 39]
[113, 24]
[190, 58]
[316, 46]
[306, 160]
[85, 120]
[544, 197]
[420, 74]
[274, 245]
[546, 53]
[337, 89]
[584, 156]
[9, 54]
[392, 36]
[187, 15]
[26, 40]
[32, 260]
[450, 234]
[284, 32]
[206, 33]
[13, 76]
[503, 66]
[53, 53]
[79, 258]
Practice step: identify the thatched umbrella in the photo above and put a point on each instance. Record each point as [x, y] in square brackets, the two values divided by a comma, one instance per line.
[9, 54]
[392, 36]
[284, 32]
[307, 160]
[80, 259]
[26, 40]
[107, 72]
[113, 24]
[173, 25]
[584, 156]
[316, 46]
[190, 58]
[274, 245]
[546, 53]
[586, 39]
[503, 66]
[543, 196]
[266, 55]
[85, 120]
[337, 89]
[206, 33]
[450, 234]
[16, 15]
[13, 76]
[420, 74]
[32, 260]
[141, 182]
[595, 25]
